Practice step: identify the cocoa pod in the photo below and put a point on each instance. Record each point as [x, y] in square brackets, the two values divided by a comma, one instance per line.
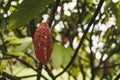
[43, 43]
[106, 65]
[62, 9]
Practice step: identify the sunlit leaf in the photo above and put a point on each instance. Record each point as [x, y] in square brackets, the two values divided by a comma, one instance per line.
[26, 11]
[3, 24]
[0, 1]
[24, 46]
[61, 55]
[115, 49]
[21, 40]
[3, 65]
[116, 11]
[16, 53]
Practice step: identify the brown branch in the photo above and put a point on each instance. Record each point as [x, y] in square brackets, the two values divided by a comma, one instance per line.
[18, 33]
[82, 69]
[21, 77]
[83, 10]
[26, 64]
[6, 58]
[9, 76]
[39, 71]
[28, 76]
[49, 72]
[83, 37]
[117, 77]
[32, 27]
[110, 66]
[4, 50]
[53, 12]
[92, 58]
[32, 57]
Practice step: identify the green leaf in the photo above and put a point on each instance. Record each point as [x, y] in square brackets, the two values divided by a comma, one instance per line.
[61, 55]
[21, 40]
[16, 53]
[67, 53]
[115, 50]
[0, 1]
[116, 11]
[3, 24]
[3, 64]
[26, 11]
[2, 67]
[24, 46]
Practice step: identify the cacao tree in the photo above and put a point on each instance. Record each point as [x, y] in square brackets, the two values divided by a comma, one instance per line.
[59, 39]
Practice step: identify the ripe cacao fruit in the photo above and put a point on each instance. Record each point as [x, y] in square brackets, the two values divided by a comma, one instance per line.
[43, 43]
[62, 8]
[106, 65]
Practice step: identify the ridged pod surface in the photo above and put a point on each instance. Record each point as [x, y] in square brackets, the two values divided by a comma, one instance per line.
[43, 43]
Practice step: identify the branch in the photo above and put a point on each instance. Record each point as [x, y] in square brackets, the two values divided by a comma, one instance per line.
[100, 63]
[53, 12]
[39, 71]
[18, 33]
[92, 55]
[28, 76]
[82, 70]
[83, 37]
[32, 27]
[71, 75]
[9, 76]
[4, 50]
[117, 77]
[32, 57]
[49, 72]
[26, 64]
[110, 66]
[7, 58]
[83, 8]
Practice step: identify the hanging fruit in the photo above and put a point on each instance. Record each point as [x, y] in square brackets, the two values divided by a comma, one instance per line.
[43, 43]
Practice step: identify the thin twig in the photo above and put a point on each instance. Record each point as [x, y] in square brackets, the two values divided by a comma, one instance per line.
[31, 76]
[100, 63]
[31, 57]
[71, 75]
[39, 71]
[117, 77]
[32, 27]
[115, 65]
[26, 64]
[28, 76]
[83, 10]
[4, 50]
[49, 72]
[83, 37]
[9, 76]
[6, 58]
[92, 55]
[53, 12]
[82, 69]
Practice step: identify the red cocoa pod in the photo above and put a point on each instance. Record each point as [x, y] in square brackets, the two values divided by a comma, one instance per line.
[43, 43]
[65, 39]
[62, 8]
[106, 66]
